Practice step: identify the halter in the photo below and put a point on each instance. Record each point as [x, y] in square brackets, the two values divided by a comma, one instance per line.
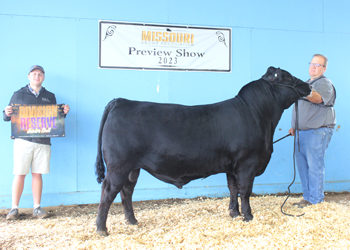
[289, 86]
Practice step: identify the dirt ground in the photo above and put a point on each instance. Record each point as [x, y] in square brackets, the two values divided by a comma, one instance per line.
[116, 208]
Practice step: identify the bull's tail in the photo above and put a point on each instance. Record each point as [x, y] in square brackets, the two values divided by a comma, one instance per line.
[99, 164]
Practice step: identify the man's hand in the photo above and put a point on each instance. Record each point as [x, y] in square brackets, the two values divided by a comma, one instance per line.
[66, 109]
[8, 110]
[291, 131]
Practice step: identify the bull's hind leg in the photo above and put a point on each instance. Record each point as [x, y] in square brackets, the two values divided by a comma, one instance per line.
[126, 195]
[232, 186]
[108, 194]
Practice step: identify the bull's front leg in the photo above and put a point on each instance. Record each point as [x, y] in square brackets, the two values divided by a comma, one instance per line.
[245, 192]
[232, 186]
[246, 209]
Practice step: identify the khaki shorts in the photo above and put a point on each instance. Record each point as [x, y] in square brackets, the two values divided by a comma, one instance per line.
[28, 154]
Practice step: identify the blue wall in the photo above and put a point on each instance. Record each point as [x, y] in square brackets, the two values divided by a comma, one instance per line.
[62, 36]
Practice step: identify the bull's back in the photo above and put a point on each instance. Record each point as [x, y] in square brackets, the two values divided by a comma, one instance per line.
[203, 134]
[143, 123]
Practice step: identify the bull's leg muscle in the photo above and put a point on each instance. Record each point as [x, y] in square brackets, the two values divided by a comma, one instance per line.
[232, 186]
[110, 189]
[126, 195]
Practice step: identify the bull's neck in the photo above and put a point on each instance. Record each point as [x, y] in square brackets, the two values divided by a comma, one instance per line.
[262, 103]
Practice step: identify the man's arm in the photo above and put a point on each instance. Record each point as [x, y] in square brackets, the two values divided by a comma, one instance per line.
[315, 97]
[7, 113]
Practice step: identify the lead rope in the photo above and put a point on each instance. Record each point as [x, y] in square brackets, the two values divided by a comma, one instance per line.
[296, 137]
[282, 138]
[296, 126]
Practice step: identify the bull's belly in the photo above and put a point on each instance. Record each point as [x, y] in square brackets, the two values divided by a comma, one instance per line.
[183, 174]
[179, 182]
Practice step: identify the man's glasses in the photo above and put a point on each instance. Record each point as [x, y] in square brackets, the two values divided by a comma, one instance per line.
[316, 64]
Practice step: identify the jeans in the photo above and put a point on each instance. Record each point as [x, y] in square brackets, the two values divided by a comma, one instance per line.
[310, 161]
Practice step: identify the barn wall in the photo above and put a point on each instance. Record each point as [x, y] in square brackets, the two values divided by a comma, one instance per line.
[62, 36]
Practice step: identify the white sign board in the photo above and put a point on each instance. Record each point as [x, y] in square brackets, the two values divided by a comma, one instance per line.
[164, 47]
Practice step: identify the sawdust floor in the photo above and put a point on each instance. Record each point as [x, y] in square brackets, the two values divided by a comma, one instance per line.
[200, 223]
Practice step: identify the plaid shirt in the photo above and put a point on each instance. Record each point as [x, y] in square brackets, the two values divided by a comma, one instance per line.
[33, 91]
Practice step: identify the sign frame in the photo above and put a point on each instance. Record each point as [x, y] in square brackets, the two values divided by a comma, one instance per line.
[205, 52]
[37, 121]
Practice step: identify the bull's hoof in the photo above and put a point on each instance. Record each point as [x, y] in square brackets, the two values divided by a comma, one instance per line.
[132, 222]
[247, 219]
[234, 213]
[102, 233]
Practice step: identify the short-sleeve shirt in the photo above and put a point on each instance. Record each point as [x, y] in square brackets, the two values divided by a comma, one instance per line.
[316, 115]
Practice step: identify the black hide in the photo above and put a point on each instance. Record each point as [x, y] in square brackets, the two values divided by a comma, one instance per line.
[178, 144]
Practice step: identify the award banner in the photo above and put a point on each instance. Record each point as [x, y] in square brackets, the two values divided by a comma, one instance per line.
[39, 121]
[164, 47]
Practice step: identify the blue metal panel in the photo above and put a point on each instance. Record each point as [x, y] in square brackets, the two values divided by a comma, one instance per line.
[63, 37]
[268, 14]
[336, 16]
[337, 158]
[289, 50]
[135, 11]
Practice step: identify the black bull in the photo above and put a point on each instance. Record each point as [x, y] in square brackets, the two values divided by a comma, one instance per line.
[178, 144]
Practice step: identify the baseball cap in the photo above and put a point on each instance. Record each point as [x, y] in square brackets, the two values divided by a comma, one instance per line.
[36, 67]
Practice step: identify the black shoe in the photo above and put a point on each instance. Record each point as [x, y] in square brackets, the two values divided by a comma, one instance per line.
[301, 203]
[305, 204]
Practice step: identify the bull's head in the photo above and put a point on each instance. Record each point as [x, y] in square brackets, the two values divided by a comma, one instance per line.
[289, 88]
[282, 77]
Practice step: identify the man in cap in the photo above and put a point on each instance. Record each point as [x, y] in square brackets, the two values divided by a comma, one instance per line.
[31, 153]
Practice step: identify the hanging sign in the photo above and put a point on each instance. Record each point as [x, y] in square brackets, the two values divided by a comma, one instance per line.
[39, 121]
[164, 47]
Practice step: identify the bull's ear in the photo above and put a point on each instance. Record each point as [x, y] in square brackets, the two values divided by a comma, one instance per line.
[278, 75]
[271, 74]
[286, 74]
[270, 70]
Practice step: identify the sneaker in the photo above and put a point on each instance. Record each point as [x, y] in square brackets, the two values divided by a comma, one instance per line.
[300, 203]
[40, 213]
[13, 214]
